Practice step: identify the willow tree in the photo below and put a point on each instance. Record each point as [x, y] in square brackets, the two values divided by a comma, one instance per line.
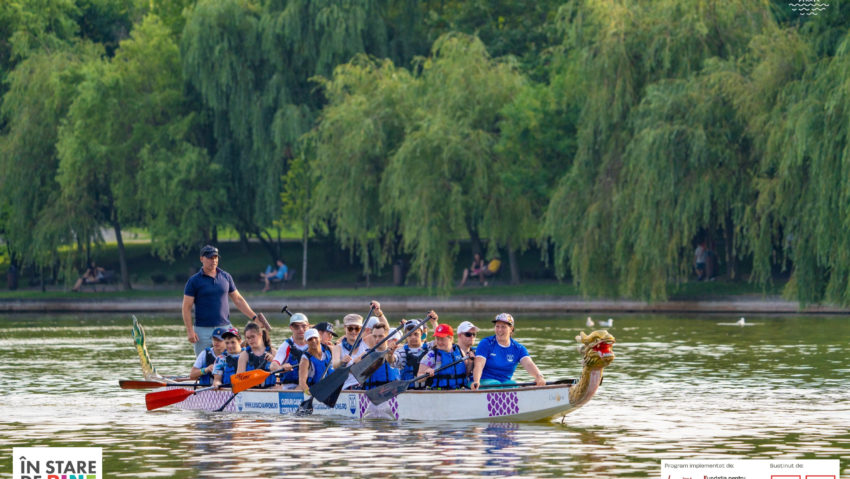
[444, 180]
[618, 54]
[124, 108]
[252, 63]
[359, 130]
[41, 89]
[804, 195]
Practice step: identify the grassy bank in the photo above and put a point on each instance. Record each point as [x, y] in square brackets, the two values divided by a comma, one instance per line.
[331, 273]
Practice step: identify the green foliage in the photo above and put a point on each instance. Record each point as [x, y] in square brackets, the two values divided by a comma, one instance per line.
[41, 89]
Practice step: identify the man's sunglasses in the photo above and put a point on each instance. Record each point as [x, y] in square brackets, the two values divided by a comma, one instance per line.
[352, 328]
[469, 335]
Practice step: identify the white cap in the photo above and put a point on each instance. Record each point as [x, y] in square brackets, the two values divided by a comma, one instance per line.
[466, 326]
[373, 320]
[311, 333]
[299, 318]
[396, 335]
[352, 318]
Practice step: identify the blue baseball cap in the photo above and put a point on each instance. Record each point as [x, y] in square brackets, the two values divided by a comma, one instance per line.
[217, 332]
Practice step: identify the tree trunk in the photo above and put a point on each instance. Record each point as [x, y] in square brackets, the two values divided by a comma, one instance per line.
[304, 255]
[243, 240]
[475, 241]
[122, 257]
[514, 265]
[729, 233]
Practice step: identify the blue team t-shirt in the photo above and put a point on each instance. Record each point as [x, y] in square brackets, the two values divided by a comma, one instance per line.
[211, 306]
[501, 361]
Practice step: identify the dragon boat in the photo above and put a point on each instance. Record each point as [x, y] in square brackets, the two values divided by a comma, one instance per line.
[503, 404]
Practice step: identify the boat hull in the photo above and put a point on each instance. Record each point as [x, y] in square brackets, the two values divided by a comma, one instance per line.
[534, 403]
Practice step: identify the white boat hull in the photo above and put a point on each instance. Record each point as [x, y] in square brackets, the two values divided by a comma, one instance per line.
[495, 405]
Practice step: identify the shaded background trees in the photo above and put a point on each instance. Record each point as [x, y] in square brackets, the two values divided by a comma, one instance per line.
[613, 134]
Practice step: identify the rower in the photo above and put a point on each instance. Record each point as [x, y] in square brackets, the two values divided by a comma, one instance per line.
[289, 353]
[408, 356]
[226, 364]
[257, 353]
[366, 341]
[342, 351]
[466, 333]
[497, 357]
[326, 334]
[204, 363]
[315, 360]
[386, 372]
[445, 352]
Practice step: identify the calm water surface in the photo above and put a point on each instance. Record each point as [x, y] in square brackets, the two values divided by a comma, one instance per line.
[680, 388]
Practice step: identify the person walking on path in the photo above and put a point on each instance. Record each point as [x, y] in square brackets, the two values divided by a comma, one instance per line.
[207, 291]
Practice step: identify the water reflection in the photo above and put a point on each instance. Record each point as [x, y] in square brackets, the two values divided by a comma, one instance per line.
[680, 388]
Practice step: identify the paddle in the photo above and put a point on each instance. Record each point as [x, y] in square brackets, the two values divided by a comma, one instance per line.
[367, 364]
[387, 391]
[156, 400]
[131, 384]
[242, 381]
[327, 390]
[367, 368]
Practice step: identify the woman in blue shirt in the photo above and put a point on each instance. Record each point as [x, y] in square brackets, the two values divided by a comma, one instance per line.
[496, 357]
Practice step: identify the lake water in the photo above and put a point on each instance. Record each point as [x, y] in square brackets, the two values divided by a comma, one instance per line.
[680, 388]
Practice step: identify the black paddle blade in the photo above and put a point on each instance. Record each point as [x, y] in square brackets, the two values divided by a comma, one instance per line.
[305, 408]
[385, 392]
[366, 366]
[333, 397]
[325, 389]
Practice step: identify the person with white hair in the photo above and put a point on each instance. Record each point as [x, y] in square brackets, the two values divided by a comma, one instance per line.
[497, 357]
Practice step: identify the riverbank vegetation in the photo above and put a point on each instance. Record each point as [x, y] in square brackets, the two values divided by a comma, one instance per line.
[608, 138]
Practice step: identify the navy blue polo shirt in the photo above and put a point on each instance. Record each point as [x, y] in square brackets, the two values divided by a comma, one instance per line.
[211, 306]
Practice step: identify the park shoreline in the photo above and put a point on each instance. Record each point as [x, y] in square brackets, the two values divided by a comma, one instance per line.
[461, 304]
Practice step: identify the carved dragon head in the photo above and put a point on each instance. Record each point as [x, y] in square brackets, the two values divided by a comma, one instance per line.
[596, 349]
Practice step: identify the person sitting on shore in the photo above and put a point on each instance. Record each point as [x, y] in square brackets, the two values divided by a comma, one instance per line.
[228, 362]
[258, 353]
[289, 353]
[274, 275]
[444, 353]
[93, 274]
[205, 362]
[315, 360]
[476, 269]
[497, 356]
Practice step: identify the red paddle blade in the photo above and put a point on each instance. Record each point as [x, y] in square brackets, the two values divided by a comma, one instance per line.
[131, 384]
[160, 399]
[248, 379]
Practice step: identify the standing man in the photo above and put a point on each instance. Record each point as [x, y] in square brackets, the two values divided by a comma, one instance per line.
[207, 290]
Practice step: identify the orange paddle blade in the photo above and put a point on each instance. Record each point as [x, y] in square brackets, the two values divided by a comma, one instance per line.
[160, 399]
[131, 384]
[248, 379]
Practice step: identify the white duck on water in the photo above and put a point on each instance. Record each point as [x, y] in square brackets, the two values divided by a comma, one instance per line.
[607, 323]
[589, 322]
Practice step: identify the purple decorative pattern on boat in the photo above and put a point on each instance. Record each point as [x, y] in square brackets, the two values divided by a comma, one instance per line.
[207, 401]
[394, 407]
[364, 404]
[502, 404]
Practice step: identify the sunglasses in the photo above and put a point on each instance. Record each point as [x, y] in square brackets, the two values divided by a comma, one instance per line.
[352, 328]
[469, 335]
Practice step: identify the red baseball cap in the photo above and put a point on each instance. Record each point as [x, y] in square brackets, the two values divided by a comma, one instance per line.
[444, 330]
